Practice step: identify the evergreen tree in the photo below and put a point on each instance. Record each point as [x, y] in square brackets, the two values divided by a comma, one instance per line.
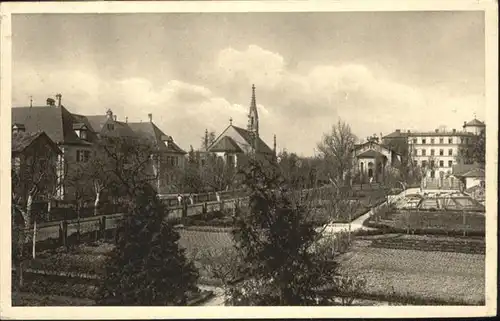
[281, 263]
[147, 267]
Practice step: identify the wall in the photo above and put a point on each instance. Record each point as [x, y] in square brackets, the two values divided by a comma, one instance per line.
[473, 181]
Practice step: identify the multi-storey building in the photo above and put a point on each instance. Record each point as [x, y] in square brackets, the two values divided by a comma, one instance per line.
[76, 136]
[436, 151]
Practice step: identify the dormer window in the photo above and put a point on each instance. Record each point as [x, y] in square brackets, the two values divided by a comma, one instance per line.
[168, 140]
[81, 130]
[18, 128]
[110, 126]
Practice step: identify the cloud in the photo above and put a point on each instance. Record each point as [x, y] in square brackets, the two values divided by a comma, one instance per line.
[296, 105]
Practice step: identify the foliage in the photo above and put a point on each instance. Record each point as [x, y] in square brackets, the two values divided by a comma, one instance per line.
[276, 246]
[147, 267]
[336, 151]
[475, 151]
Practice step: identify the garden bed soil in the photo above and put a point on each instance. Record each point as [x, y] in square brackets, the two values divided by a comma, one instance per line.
[435, 276]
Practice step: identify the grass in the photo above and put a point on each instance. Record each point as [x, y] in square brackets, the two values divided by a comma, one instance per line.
[34, 299]
[438, 276]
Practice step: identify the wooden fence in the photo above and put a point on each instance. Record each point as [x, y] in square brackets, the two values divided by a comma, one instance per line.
[60, 231]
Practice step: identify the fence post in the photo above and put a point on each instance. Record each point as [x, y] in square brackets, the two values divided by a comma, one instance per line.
[204, 209]
[103, 227]
[464, 222]
[64, 233]
[184, 209]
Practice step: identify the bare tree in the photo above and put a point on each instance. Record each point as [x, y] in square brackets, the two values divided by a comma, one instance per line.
[336, 150]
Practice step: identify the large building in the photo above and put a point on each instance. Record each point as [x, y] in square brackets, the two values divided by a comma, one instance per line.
[373, 159]
[236, 144]
[437, 151]
[76, 136]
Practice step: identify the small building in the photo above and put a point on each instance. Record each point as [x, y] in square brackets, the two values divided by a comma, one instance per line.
[372, 160]
[34, 164]
[470, 175]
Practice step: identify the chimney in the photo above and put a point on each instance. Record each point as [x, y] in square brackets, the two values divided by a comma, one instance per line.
[150, 116]
[109, 114]
[51, 102]
[465, 124]
[59, 97]
[437, 130]
[409, 131]
[398, 130]
[114, 117]
[454, 130]
[126, 119]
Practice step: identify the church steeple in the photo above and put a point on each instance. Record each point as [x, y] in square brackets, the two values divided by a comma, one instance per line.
[253, 115]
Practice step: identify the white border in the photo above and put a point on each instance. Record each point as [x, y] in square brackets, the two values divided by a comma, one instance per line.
[491, 36]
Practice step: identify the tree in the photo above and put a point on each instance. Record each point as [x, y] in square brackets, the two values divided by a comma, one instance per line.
[336, 150]
[276, 243]
[474, 151]
[147, 266]
[208, 139]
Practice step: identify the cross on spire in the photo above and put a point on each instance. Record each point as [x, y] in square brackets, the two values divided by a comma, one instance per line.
[230, 120]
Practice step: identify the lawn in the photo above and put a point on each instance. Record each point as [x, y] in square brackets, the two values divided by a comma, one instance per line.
[446, 276]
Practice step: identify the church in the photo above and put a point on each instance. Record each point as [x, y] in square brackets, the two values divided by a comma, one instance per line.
[235, 144]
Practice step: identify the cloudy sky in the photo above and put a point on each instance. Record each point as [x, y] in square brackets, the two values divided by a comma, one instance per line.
[377, 71]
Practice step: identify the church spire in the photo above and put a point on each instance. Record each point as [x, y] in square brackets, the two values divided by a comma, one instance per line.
[253, 116]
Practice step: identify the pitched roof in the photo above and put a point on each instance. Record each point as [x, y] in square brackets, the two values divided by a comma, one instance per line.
[22, 140]
[356, 146]
[476, 172]
[119, 129]
[370, 154]
[56, 122]
[153, 134]
[475, 122]
[400, 134]
[226, 144]
[248, 137]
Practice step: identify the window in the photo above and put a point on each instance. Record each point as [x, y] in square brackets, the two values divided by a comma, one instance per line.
[83, 134]
[450, 152]
[432, 164]
[461, 140]
[415, 152]
[414, 140]
[450, 140]
[423, 152]
[432, 152]
[441, 163]
[432, 140]
[82, 156]
[110, 126]
[450, 163]
[16, 163]
[423, 140]
[467, 140]
[441, 140]
[424, 164]
[441, 152]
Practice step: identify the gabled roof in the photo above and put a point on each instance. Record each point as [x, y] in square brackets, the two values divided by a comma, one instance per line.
[119, 129]
[156, 136]
[56, 122]
[226, 144]
[248, 137]
[475, 122]
[370, 154]
[22, 140]
[476, 172]
[406, 134]
[357, 146]
[396, 134]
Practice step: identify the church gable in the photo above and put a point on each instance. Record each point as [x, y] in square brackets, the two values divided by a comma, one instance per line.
[372, 148]
[236, 137]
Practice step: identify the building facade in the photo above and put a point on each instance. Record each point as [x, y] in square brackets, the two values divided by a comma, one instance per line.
[373, 160]
[436, 152]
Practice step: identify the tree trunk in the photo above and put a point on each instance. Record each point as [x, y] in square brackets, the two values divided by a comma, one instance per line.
[49, 208]
[27, 216]
[97, 203]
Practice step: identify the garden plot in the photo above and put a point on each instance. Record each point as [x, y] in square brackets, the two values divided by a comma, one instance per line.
[445, 276]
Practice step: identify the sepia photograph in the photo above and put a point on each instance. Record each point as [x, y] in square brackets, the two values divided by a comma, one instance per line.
[207, 156]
